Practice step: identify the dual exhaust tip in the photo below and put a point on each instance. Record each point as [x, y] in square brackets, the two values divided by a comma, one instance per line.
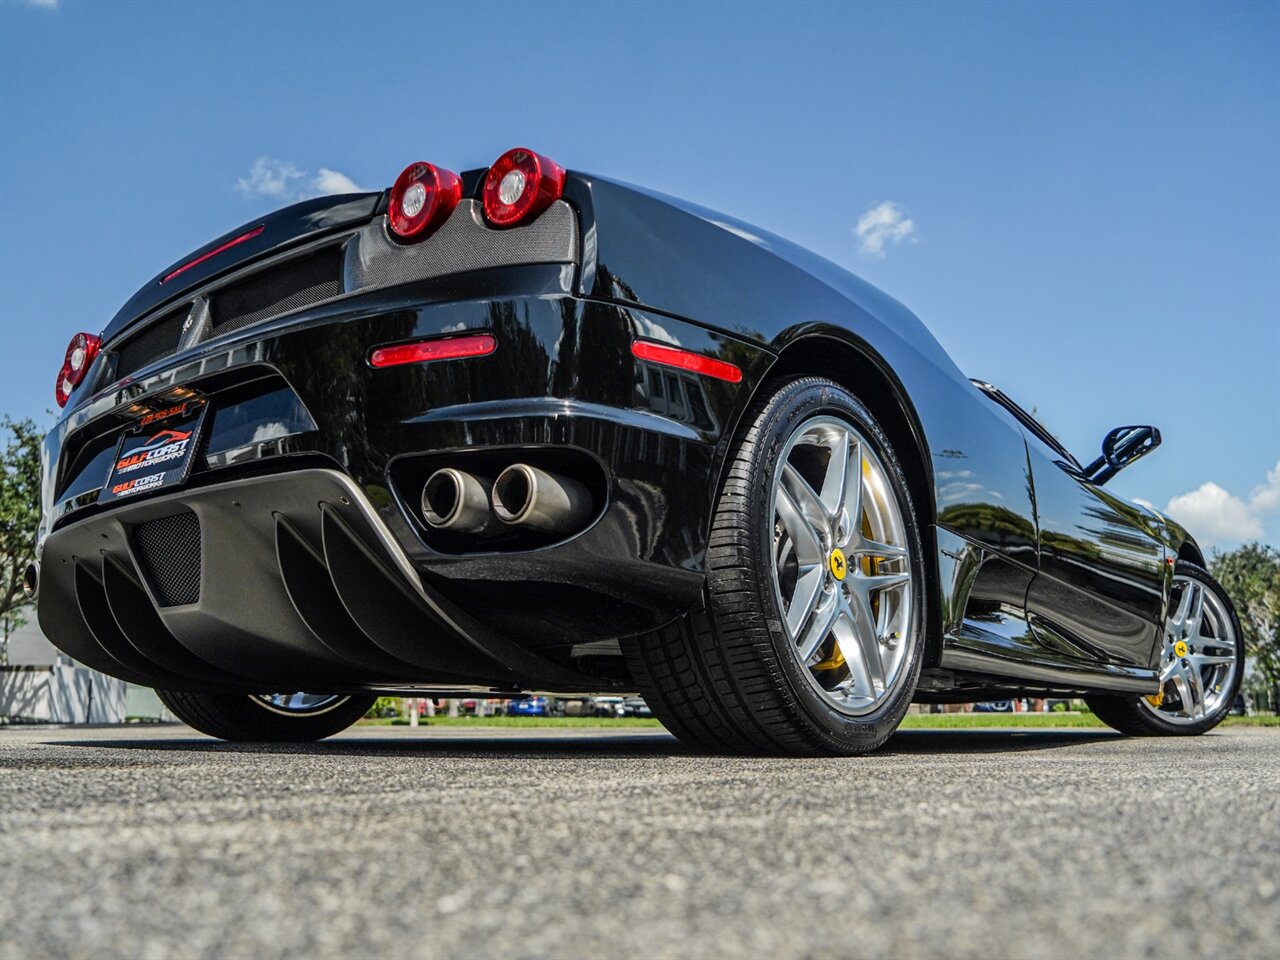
[521, 496]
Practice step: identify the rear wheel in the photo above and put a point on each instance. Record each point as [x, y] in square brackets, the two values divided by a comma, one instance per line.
[810, 634]
[269, 716]
[1201, 664]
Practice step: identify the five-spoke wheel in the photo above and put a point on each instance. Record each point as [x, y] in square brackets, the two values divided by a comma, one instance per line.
[1199, 659]
[1201, 664]
[810, 636]
[841, 563]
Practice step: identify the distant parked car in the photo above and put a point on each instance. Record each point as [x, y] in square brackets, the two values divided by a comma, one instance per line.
[607, 707]
[994, 706]
[635, 707]
[528, 707]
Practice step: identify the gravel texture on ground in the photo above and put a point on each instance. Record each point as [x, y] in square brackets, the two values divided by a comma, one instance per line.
[154, 842]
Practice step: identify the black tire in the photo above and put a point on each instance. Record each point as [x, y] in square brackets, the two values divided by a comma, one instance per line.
[722, 677]
[245, 718]
[1128, 715]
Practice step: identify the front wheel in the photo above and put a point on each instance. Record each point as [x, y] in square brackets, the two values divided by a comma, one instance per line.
[1201, 664]
[810, 636]
[267, 717]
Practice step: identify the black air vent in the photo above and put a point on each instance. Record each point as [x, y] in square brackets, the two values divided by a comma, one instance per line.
[158, 340]
[169, 553]
[283, 289]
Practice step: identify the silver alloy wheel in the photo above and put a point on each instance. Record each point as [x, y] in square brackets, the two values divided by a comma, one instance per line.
[841, 565]
[300, 704]
[1199, 662]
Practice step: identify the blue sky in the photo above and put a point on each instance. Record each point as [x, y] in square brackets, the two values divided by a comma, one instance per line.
[1081, 200]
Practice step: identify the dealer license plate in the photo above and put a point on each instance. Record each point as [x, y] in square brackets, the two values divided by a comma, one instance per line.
[156, 456]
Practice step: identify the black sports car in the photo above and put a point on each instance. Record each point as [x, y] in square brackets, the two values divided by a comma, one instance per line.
[523, 429]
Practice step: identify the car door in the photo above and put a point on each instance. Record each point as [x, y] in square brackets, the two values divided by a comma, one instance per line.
[1100, 591]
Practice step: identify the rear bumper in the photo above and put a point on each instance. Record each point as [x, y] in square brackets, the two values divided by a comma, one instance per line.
[286, 579]
[300, 420]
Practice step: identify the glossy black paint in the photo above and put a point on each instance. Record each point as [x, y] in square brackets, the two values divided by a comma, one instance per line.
[1033, 568]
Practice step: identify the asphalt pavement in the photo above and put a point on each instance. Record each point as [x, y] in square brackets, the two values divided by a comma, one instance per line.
[159, 843]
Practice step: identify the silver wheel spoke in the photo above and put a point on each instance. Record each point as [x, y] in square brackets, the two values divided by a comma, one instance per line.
[883, 581]
[1184, 607]
[865, 667]
[1196, 684]
[804, 540]
[867, 638]
[1206, 660]
[819, 629]
[1183, 687]
[805, 501]
[853, 494]
[869, 548]
[1197, 610]
[837, 477]
[804, 599]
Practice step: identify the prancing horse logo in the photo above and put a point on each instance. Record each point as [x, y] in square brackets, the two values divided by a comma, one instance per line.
[839, 566]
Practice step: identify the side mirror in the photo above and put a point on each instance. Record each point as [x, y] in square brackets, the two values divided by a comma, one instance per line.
[1121, 447]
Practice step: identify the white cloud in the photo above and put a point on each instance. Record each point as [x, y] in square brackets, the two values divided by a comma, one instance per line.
[331, 181]
[1265, 499]
[47, 4]
[1212, 515]
[280, 180]
[270, 178]
[881, 226]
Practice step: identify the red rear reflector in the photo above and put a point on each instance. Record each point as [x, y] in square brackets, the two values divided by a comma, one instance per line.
[424, 351]
[696, 362]
[213, 253]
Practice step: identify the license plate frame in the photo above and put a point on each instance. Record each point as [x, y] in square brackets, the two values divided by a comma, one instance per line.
[156, 455]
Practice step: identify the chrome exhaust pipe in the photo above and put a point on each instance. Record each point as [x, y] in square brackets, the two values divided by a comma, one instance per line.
[457, 501]
[525, 496]
[31, 581]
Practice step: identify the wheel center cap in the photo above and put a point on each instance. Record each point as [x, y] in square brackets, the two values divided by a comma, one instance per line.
[1180, 648]
[838, 564]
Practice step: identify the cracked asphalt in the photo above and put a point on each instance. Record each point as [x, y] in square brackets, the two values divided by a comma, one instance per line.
[155, 842]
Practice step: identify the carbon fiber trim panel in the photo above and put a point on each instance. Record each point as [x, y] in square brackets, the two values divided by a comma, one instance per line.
[291, 286]
[158, 340]
[464, 243]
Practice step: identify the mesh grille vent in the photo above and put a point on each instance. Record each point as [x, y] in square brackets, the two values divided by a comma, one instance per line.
[169, 553]
[158, 340]
[291, 286]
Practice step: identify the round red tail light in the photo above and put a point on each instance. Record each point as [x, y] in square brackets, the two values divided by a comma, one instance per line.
[423, 197]
[81, 352]
[519, 186]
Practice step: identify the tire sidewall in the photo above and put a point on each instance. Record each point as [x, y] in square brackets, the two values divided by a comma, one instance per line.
[243, 717]
[793, 404]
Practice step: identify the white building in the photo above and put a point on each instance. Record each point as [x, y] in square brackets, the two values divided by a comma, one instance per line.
[41, 684]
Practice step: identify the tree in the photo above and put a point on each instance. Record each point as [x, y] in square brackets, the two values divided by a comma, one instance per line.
[19, 516]
[1251, 575]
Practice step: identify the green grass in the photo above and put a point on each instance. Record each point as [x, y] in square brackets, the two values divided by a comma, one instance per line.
[914, 721]
[1267, 721]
